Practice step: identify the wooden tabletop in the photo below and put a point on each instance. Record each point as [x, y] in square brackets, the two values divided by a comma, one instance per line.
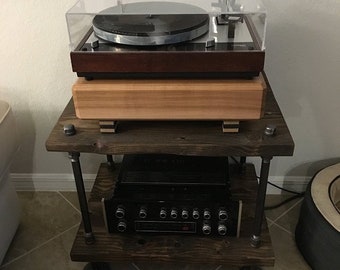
[176, 137]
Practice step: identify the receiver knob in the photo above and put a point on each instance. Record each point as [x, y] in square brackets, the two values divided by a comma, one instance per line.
[185, 214]
[121, 227]
[222, 214]
[222, 229]
[206, 214]
[206, 229]
[162, 213]
[195, 214]
[142, 212]
[120, 212]
[173, 213]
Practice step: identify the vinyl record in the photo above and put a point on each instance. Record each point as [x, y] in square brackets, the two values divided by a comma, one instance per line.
[154, 29]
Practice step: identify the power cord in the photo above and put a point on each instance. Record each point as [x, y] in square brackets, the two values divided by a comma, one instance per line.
[287, 190]
[295, 196]
[284, 201]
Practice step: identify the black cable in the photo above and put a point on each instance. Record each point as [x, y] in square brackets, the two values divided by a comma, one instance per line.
[296, 196]
[284, 189]
[285, 201]
[287, 190]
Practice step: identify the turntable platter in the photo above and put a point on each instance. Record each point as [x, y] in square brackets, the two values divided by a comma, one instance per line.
[149, 30]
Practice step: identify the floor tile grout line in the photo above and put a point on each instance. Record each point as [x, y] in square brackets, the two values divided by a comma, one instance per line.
[39, 246]
[270, 223]
[73, 206]
[285, 212]
[282, 228]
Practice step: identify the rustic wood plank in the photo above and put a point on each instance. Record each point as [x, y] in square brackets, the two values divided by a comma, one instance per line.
[178, 249]
[176, 137]
[175, 248]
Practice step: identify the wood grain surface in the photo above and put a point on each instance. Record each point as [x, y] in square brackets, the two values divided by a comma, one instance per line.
[176, 137]
[169, 99]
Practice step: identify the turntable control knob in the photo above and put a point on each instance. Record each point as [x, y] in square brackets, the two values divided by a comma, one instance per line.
[206, 214]
[120, 212]
[121, 227]
[222, 214]
[142, 212]
[206, 229]
[222, 229]
[173, 213]
[195, 214]
[162, 213]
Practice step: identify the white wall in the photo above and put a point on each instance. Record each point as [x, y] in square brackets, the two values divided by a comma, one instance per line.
[302, 63]
[303, 66]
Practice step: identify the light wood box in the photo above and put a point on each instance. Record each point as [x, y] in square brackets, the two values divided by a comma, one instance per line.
[217, 99]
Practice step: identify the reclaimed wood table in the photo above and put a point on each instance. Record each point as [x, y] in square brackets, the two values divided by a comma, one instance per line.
[263, 138]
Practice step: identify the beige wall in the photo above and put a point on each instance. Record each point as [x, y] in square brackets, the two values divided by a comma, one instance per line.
[303, 66]
[302, 63]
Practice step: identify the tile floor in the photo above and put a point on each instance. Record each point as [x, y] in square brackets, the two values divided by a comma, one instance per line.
[50, 221]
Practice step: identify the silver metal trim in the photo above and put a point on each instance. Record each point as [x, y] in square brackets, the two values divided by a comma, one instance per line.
[104, 214]
[151, 40]
[240, 205]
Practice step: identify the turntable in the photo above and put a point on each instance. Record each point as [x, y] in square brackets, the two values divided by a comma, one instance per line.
[186, 39]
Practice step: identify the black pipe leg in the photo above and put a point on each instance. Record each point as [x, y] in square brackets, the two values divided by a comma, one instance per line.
[260, 200]
[78, 177]
[110, 161]
[242, 165]
[243, 160]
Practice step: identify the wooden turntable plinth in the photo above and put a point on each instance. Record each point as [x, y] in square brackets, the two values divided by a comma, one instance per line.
[218, 99]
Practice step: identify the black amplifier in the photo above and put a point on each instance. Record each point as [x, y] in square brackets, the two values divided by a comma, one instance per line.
[173, 194]
[173, 170]
[191, 216]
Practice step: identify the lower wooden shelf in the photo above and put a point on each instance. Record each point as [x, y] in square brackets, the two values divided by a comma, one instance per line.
[175, 248]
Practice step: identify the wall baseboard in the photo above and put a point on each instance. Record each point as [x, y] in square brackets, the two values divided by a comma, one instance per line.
[49, 182]
[293, 183]
[65, 182]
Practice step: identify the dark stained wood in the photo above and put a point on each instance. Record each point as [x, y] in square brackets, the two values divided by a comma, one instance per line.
[176, 137]
[168, 62]
[175, 248]
[185, 138]
[104, 183]
[178, 249]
